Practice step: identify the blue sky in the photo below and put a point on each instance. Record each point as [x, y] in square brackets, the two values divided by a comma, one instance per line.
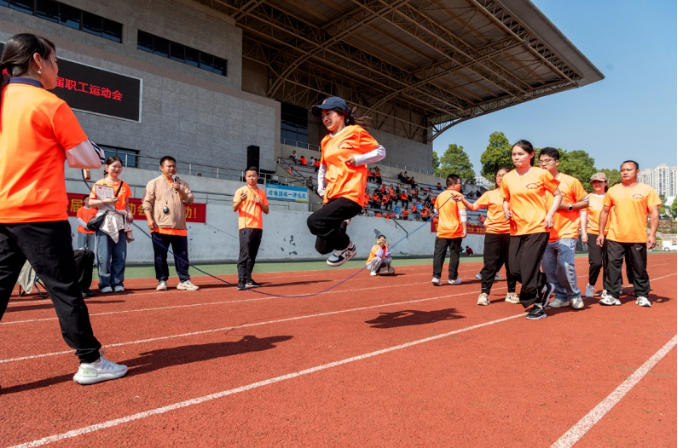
[631, 114]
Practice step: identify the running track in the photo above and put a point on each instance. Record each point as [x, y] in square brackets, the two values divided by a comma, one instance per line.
[376, 362]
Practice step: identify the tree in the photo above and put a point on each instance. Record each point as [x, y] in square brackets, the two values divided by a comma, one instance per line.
[578, 164]
[436, 161]
[456, 161]
[662, 208]
[613, 176]
[674, 212]
[497, 154]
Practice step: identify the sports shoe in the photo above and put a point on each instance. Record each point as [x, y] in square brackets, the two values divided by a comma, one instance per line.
[479, 276]
[252, 284]
[545, 294]
[106, 289]
[337, 258]
[87, 294]
[590, 292]
[483, 299]
[241, 286]
[96, 372]
[536, 313]
[435, 281]
[577, 303]
[608, 300]
[512, 297]
[119, 288]
[373, 273]
[162, 286]
[187, 286]
[497, 277]
[559, 303]
[642, 301]
[456, 281]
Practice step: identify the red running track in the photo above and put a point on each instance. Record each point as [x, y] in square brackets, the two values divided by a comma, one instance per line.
[376, 362]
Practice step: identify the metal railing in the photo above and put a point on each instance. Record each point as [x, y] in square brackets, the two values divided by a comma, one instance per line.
[297, 144]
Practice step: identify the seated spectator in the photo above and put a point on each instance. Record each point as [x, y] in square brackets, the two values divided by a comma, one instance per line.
[309, 183]
[412, 182]
[302, 161]
[425, 213]
[376, 200]
[405, 214]
[377, 215]
[377, 175]
[401, 178]
[387, 216]
[316, 164]
[386, 201]
[404, 199]
[293, 157]
[379, 260]
[414, 211]
[439, 187]
[468, 251]
[370, 175]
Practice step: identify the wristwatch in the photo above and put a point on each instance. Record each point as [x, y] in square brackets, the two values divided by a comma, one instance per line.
[569, 207]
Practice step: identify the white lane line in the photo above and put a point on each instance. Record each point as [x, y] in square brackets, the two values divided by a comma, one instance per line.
[581, 428]
[206, 398]
[215, 330]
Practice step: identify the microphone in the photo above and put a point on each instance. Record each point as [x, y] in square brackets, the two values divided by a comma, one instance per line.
[175, 179]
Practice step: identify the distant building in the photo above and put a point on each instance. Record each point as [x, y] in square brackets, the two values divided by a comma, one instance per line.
[662, 179]
[481, 181]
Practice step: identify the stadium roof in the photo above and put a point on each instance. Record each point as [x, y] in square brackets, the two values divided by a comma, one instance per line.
[416, 67]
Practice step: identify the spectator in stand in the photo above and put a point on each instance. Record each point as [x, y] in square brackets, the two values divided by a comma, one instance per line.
[387, 215]
[401, 178]
[377, 175]
[439, 187]
[405, 214]
[386, 201]
[293, 157]
[425, 213]
[86, 238]
[468, 251]
[375, 201]
[414, 212]
[309, 183]
[379, 260]
[404, 199]
[370, 175]
[427, 200]
[412, 182]
[415, 194]
[378, 215]
[302, 161]
[316, 165]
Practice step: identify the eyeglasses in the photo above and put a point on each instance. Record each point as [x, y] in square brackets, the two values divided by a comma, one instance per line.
[543, 161]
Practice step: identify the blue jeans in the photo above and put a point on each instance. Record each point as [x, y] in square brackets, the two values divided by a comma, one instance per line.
[88, 240]
[558, 265]
[111, 259]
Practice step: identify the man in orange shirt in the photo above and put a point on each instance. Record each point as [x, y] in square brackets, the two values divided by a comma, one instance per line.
[249, 201]
[627, 206]
[451, 230]
[164, 206]
[86, 238]
[558, 261]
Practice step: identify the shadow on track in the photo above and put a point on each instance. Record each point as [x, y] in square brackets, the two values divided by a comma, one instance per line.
[412, 317]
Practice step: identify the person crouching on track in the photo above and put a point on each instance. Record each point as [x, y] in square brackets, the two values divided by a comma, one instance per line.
[379, 261]
[524, 192]
[164, 206]
[451, 230]
[345, 153]
[38, 131]
[627, 206]
[249, 201]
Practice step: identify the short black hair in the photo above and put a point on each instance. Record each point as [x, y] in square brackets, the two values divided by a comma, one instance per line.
[253, 168]
[451, 180]
[85, 197]
[630, 161]
[551, 152]
[166, 158]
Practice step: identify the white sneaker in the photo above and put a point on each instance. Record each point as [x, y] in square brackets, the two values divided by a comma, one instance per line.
[606, 299]
[337, 258]
[106, 289]
[559, 303]
[373, 273]
[497, 277]
[643, 301]
[512, 297]
[96, 372]
[577, 303]
[479, 276]
[590, 292]
[483, 299]
[119, 288]
[435, 281]
[162, 286]
[187, 286]
[456, 281]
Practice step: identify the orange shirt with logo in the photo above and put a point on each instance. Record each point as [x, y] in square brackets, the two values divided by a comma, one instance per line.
[527, 199]
[249, 212]
[495, 222]
[36, 130]
[86, 214]
[566, 222]
[342, 180]
[629, 207]
[593, 214]
[125, 192]
[449, 221]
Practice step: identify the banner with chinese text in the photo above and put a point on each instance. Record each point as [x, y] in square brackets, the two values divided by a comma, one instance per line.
[286, 193]
[471, 229]
[194, 212]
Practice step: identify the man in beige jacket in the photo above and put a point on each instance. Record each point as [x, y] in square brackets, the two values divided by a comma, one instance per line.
[166, 215]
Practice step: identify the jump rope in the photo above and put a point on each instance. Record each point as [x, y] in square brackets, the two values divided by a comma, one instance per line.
[256, 290]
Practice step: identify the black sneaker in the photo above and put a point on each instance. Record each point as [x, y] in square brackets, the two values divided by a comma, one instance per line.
[544, 294]
[241, 286]
[346, 254]
[252, 284]
[536, 313]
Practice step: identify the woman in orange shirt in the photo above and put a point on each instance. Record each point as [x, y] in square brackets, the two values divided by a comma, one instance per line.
[497, 240]
[38, 132]
[524, 193]
[345, 153]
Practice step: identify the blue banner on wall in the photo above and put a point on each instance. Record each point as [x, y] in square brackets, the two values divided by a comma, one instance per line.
[286, 193]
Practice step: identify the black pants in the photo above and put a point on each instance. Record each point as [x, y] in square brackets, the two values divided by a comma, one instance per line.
[439, 252]
[326, 224]
[636, 257]
[525, 254]
[250, 239]
[49, 250]
[161, 243]
[598, 260]
[496, 253]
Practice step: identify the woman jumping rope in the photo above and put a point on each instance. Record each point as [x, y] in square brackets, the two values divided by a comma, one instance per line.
[342, 178]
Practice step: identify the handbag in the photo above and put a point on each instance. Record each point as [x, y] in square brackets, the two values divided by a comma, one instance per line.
[95, 223]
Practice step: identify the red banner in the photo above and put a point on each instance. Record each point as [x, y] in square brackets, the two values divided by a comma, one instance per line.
[471, 229]
[194, 212]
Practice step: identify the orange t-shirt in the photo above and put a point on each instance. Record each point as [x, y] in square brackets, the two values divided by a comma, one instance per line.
[629, 207]
[373, 253]
[125, 192]
[249, 213]
[593, 215]
[449, 221]
[36, 130]
[495, 222]
[527, 199]
[342, 180]
[86, 214]
[566, 222]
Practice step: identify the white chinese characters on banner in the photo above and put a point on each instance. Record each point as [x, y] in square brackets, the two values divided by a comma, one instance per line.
[286, 193]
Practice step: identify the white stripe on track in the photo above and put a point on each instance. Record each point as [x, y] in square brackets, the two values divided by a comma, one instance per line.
[581, 428]
[206, 398]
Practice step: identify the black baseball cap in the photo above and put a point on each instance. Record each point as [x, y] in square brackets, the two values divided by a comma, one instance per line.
[330, 103]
